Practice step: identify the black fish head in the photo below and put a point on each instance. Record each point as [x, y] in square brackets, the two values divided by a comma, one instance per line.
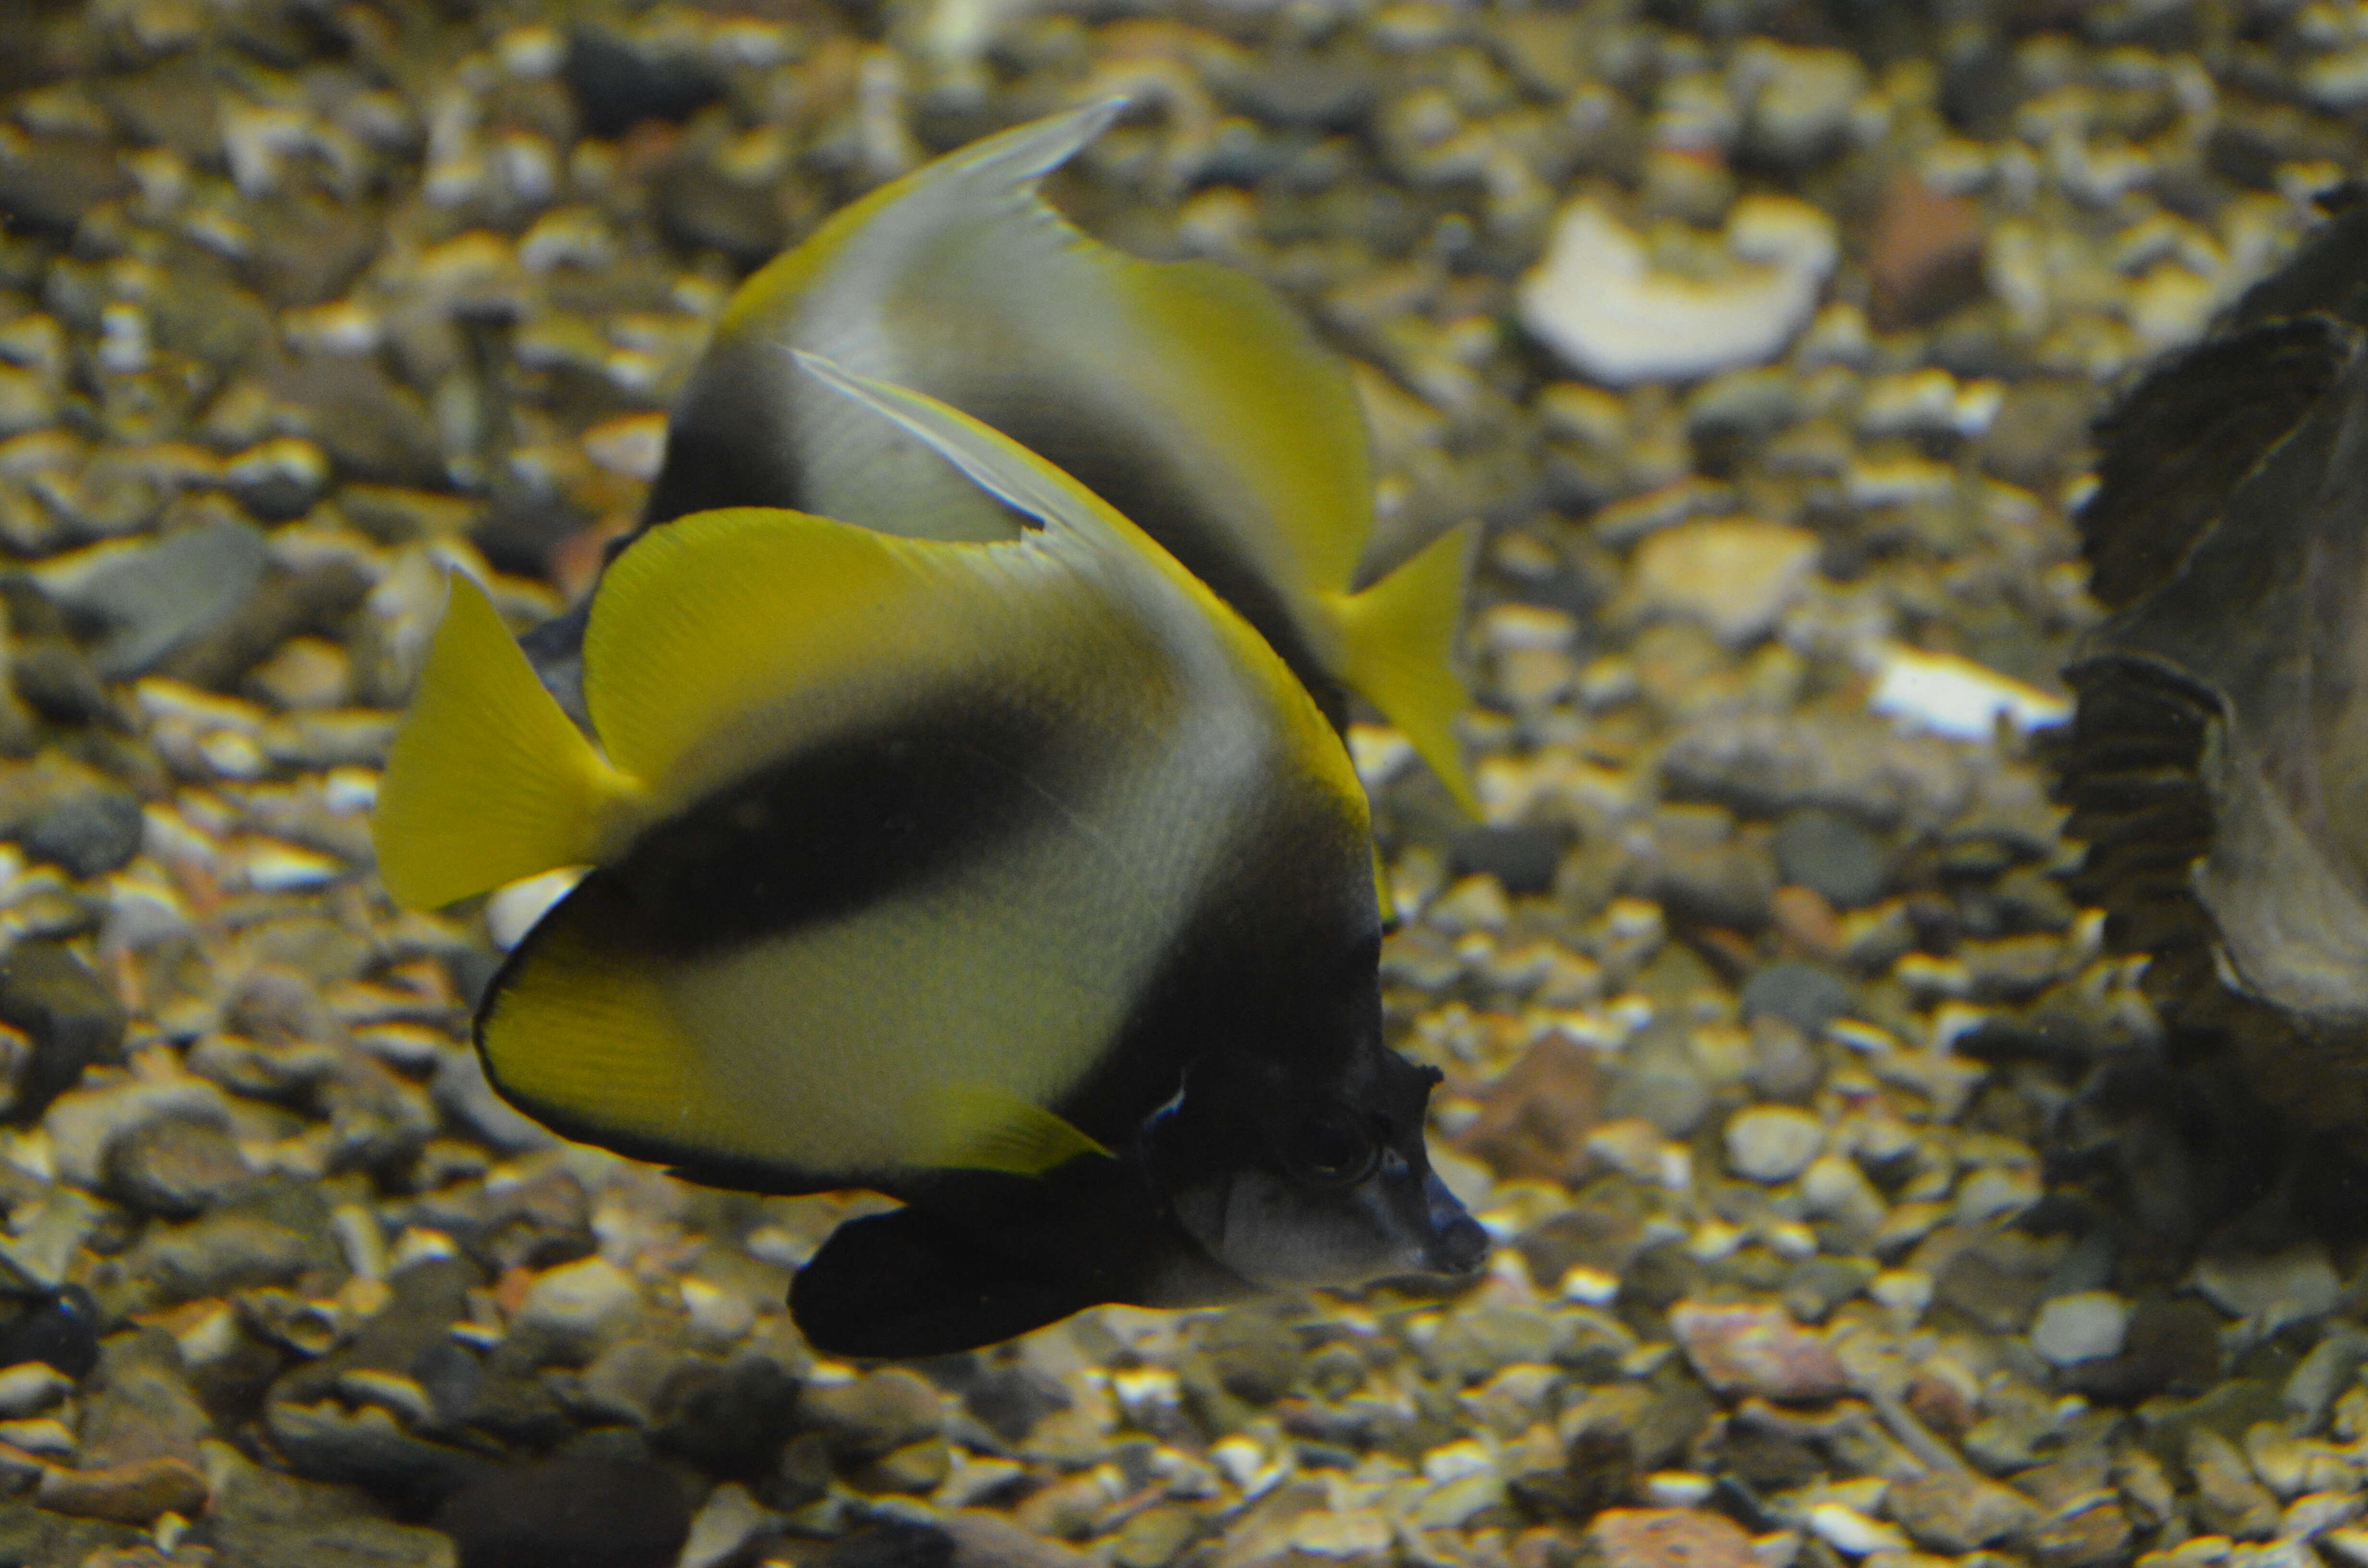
[1289, 1180]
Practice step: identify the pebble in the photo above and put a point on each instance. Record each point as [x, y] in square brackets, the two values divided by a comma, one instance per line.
[1741, 1348]
[1955, 1511]
[1926, 256]
[30, 1387]
[873, 1416]
[129, 1494]
[2274, 1288]
[2081, 1327]
[1670, 1538]
[1735, 575]
[1597, 300]
[1772, 1143]
[59, 1330]
[1804, 995]
[587, 1512]
[264, 1520]
[1950, 695]
[87, 832]
[1833, 853]
[1848, 1530]
[175, 1167]
[72, 1018]
[152, 597]
[579, 1301]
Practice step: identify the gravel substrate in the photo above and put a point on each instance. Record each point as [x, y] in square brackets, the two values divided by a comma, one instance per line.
[1856, 1203]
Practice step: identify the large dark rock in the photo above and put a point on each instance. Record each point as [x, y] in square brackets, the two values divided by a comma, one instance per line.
[619, 82]
[71, 1014]
[569, 1513]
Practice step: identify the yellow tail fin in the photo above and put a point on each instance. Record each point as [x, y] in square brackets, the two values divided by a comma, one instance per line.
[488, 782]
[1397, 647]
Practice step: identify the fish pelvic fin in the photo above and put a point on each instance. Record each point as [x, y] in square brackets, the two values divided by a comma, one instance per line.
[979, 1128]
[1396, 647]
[488, 780]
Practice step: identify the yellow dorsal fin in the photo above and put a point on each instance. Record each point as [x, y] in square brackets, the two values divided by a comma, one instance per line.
[704, 622]
[979, 1128]
[487, 781]
[1397, 643]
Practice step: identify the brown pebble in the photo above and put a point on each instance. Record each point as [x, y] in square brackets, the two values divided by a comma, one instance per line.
[1941, 1405]
[1806, 921]
[131, 1494]
[1926, 258]
[1746, 1348]
[1670, 1538]
[1534, 1120]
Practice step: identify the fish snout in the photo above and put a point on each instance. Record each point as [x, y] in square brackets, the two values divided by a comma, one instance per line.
[1458, 1244]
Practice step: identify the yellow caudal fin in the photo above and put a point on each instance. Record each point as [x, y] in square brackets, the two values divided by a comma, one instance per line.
[1397, 650]
[488, 782]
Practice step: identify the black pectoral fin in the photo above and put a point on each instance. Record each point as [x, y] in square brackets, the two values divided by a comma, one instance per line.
[909, 1284]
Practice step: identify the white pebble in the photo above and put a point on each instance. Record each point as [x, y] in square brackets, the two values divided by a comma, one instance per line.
[1597, 300]
[30, 1388]
[1955, 697]
[2081, 1327]
[1848, 1530]
[1772, 1143]
[579, 1298]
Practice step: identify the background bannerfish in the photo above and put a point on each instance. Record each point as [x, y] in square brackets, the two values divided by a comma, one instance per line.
[1184, 393]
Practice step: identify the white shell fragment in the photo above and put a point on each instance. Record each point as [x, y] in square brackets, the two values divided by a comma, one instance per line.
[1598, 299]
[1953, 696]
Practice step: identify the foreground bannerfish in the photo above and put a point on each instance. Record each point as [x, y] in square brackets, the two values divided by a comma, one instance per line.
[1184, 393]
[1018, 879]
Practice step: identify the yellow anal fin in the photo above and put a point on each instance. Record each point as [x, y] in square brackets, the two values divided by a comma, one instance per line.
[976, 1127]
[488, 780]
[1397, 650]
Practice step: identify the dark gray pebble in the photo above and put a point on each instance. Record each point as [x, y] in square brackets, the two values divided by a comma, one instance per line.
[1836, 855]
[88, 832]
[54, 180]
[152, 599]
[569, 1513]
[175, 1167]
[71, 1017]
[55, 678]
[1524, 858]
[897, 1544]
[618, 84]
[1801, 994]
[60, 1329]
[1011, 1397]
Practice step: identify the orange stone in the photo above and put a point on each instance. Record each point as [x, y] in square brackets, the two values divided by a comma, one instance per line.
[1670, 1538]
[1926, 256]
[131, 1494]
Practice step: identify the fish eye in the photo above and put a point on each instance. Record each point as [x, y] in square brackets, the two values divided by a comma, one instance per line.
[1334, 1149]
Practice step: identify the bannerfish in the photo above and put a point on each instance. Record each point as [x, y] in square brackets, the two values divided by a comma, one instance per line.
[1184, 393]
[1018, 879]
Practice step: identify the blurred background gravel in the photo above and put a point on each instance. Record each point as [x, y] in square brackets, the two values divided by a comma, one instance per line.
[1853, 1206]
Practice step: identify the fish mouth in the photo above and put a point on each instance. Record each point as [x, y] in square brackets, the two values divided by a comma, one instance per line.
[1458, 1245]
